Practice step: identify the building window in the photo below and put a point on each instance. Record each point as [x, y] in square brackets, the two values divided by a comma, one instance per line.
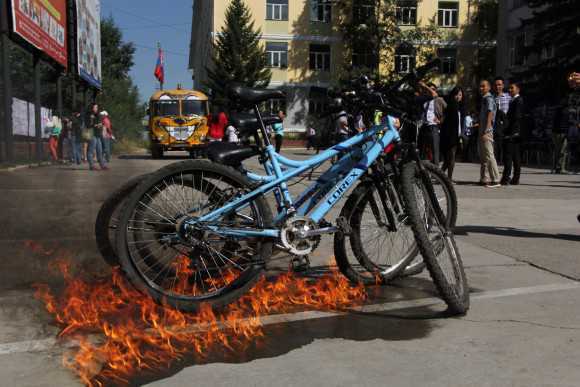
[548, 52]
[406, 13]
[448, 58]
[363, 11]
[517, 44]
[404, 59]
[518, 3]
[364, 57]
[317, 106]
[319, 57]
[277, 9]
[273, 106]
[320, 11]
[448, 14]
[277, 54]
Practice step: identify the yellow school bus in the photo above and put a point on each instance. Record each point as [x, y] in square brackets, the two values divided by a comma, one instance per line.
[178, 121]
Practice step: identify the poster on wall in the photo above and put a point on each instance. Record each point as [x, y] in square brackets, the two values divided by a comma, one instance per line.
[23, 120]
[89, 41]
[42, 23]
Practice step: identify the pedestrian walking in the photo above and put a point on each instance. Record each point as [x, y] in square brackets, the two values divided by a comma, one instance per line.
[485, 142]
[433, 111]
[93, 121]
[54, 127]
[107, 136]
[502, 102]
[66, 135]
[279, 131]
[451, 129]
[467, 138]
[512, 137]
[310, 138]
[76, 137]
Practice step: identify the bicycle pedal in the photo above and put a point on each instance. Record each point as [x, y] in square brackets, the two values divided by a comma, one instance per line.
[343, 225]
[300, 264]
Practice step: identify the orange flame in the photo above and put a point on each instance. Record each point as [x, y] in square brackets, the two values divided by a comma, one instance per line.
[121, 332]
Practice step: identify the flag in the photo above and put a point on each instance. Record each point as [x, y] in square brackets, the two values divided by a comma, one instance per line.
[159, 71]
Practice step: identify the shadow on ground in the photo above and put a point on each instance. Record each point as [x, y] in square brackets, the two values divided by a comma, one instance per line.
[513, 232]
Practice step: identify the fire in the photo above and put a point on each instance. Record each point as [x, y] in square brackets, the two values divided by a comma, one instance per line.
[121, 332]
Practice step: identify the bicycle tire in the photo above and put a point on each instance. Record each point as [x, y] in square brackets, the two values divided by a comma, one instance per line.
[230, 291]
[362, 269]
[417, 266]
[456, 296]
[105, 221]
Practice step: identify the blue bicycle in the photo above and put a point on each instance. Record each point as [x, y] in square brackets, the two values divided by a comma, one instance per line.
[202, 232]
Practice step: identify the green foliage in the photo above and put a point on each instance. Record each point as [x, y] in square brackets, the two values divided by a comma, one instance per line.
[237, 54]
[119, 96]
[554, 51]
[379, 33]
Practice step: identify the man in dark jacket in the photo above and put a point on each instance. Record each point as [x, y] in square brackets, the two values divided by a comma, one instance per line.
[512, 137]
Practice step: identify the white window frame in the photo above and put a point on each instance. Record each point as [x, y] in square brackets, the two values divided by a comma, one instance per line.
[273, 56]
[404, 59]
[277, 11]
[406, 9]
[365, 12]
[273, 106]
[321, 58]
[315, 6]
[447, 19]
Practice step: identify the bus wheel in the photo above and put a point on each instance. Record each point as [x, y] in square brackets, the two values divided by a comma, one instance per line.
[156, 152]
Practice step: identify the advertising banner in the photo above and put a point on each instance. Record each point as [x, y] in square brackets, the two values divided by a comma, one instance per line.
[89, 40]
[42, 23]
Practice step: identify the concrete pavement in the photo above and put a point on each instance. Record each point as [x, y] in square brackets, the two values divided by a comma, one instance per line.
[520, 246]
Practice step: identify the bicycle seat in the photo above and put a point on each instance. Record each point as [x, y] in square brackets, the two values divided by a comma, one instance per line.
[248, 121]
[254, 96]
[228, 153]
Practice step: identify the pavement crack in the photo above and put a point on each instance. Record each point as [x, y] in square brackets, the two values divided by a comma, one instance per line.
[525, 322]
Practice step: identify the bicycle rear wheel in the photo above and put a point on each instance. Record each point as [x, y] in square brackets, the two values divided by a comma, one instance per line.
[184, 268]
[380, 252]
[108, 219]
[435, 239]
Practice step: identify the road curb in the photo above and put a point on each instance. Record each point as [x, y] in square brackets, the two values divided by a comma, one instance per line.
[24, 166]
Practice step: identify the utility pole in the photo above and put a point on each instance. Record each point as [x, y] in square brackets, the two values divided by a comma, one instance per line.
[6, 134]
[37, 115]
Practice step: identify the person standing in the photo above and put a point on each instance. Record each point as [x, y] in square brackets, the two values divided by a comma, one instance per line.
[502, 101]
[107, 135]
[512, 137]
[485, 143]
[279, 131]
[76, 137]
[93, 122]
[217, 125]
[451, 129]
[310, 138]
[55, 127]
[432, 117]
[232, 134]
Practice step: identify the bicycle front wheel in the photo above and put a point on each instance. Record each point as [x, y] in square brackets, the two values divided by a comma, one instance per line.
[184, 268]
[435, 239]
[447, 198]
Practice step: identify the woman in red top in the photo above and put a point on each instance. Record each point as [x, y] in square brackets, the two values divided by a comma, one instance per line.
[217, 126]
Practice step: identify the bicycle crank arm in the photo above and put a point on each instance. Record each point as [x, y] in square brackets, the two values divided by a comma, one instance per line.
[318, 232]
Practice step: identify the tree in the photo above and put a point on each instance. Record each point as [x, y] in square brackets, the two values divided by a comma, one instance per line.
[237, 54]
[372, 34]
[554, 51]
[119, 96]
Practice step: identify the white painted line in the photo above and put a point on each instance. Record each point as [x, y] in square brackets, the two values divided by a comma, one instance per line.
[47, 344]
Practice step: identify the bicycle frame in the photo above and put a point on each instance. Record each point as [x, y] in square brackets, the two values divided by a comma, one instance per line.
[315, 206]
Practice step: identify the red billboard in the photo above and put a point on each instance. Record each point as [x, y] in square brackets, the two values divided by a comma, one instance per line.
[43, 24]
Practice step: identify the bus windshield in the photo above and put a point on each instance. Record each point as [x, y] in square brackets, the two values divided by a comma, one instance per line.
[191, 107]
[166, 108]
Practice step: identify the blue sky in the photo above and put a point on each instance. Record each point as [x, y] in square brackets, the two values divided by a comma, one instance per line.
[146, 22]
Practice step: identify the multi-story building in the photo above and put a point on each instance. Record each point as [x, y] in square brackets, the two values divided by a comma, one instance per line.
[513, 37]
[307, 54]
